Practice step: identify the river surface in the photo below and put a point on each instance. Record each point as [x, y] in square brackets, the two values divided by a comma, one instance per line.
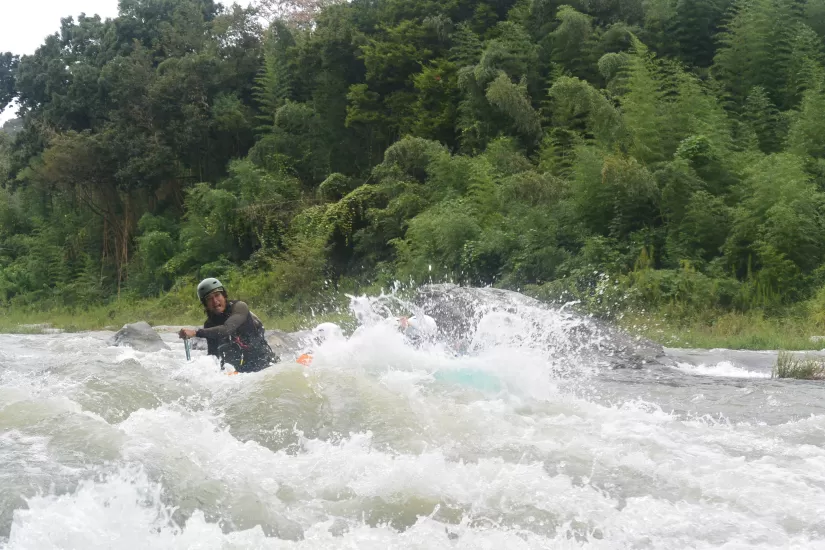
[374, 447]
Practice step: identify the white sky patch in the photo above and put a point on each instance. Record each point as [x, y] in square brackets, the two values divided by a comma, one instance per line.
[25, 24]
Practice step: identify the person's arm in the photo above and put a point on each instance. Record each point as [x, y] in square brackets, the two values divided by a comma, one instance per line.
[240, 312]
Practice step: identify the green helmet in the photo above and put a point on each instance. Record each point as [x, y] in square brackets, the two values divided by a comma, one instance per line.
[207, 286]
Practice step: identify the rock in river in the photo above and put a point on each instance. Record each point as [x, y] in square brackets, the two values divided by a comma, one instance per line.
[140, 336]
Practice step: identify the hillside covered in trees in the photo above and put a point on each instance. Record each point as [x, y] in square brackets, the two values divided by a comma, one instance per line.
[664, 153]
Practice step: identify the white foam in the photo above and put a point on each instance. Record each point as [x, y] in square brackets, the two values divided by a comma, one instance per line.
[724, 369]
[397, 459]
[126, 511]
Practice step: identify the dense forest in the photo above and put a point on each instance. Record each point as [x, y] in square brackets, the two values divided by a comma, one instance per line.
[647, 152]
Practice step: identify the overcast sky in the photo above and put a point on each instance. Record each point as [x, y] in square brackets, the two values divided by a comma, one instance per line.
[24, 24]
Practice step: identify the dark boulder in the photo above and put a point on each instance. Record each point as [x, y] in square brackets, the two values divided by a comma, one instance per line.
[140, 336]
[494, 314]
[286, 344]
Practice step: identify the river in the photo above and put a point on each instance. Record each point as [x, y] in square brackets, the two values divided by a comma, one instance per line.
[374, 447]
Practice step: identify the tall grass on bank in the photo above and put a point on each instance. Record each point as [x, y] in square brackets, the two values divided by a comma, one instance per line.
[177, 308]
[805, 368]
[673, 324]
[750, 331]
[746, 331]
[686, 308]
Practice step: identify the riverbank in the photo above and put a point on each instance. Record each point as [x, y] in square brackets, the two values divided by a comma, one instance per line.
[174, 308]
[736, 331]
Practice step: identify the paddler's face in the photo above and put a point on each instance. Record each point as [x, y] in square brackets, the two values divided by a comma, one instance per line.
[216, 302]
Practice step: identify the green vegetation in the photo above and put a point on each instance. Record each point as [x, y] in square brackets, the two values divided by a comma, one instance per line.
[653, 160]
[719, 329]
[789, 366]
[173, 308]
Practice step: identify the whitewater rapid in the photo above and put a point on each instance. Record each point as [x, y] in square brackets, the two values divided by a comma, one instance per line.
[377, 446]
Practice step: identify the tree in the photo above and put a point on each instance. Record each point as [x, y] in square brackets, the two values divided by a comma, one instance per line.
[763, 119]
[756, 49]
[694, 27]
[8, 65]
[806, 135]
[302, 13]
[663, 105]
[573, 43]
[673, 145]
[275, 83]
[782, 212]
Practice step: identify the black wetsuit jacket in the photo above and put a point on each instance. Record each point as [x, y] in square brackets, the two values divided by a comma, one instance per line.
[237, 337]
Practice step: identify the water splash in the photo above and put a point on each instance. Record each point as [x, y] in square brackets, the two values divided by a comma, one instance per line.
[504, 430]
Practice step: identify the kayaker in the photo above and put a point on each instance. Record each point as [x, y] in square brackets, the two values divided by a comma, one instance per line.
[418, 328]
[327, 331]
[232, 332]
[320, 334]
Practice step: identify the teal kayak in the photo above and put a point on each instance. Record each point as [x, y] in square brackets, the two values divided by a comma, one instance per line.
[473, 378]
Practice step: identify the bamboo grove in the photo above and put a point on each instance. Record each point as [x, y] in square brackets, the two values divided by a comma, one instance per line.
[648, 152]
